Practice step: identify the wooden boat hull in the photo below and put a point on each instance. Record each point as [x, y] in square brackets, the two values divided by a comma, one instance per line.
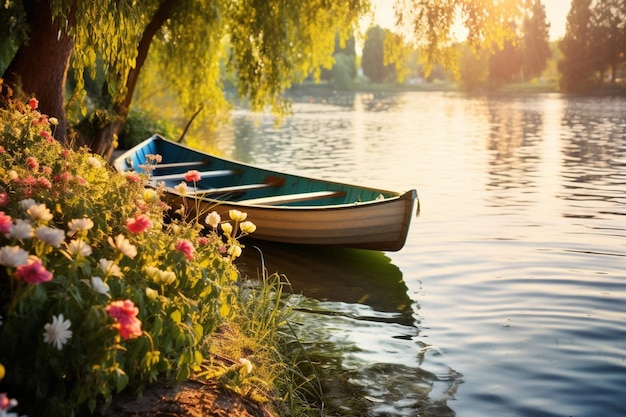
[346, 219]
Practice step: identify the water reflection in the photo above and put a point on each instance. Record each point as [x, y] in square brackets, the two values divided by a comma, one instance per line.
[358, 325]
[333, 274]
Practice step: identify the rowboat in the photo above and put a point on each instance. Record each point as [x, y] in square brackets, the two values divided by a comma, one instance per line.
[284, 207]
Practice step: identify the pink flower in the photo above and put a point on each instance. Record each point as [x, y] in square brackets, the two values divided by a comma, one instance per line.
[133, 178]
[125, 315]
[47, 136]
[2, 150]
[44, 182]
[192, 176]
[6, 403]
[140, 223]
[31, 161]
[33, 272]
[186, 247]
[33, 103]
[5, 222]
[4, 198]
[63, 177]
[203, 241]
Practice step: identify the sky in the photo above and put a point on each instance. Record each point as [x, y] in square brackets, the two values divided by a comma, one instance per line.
[556, 14]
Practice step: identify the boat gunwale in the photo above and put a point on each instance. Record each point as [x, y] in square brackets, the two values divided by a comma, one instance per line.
[120, 160]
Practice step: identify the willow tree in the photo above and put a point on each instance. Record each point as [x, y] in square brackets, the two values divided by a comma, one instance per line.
[267, 44]
[437, 27]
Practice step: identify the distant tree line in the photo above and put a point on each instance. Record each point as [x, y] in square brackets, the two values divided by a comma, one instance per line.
[591, 54]
[594, 46]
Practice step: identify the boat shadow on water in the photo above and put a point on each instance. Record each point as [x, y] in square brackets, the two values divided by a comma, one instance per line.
[359, 329]
[331, 274]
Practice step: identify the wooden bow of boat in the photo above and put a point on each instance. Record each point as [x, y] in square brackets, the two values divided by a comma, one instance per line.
[285, 207]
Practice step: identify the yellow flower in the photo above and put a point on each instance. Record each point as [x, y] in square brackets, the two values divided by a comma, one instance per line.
[159, 276]
[150, 195]
[235, 251]
[237, 215]
[2, 371]
[54, 121]
[227, 228]
[247, 227]
[152, 294]
[181, 189]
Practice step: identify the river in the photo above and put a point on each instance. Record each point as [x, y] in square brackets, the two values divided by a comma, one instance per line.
[509, 298]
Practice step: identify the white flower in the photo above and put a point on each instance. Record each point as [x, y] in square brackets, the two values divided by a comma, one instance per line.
[99, 286]
[13, 256]
[247, 227]
[246, 366]
[39, 212]
[109, 268]
[213, 219]
[27, 203]
[57, 332]
[13, 175]
[237, 215]
[53, 237]
[94, 162]
[21, 229]
[123, 245]
[76, 225]
[78, 247]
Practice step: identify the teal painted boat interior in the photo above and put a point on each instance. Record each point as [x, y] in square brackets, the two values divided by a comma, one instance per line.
[285, 184]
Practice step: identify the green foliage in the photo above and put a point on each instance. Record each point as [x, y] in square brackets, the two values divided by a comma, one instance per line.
[12, 31]
[594, 44]
[474, 70]
[85, 250]
[536, 47]
[140, 126]
[343, 72]
[432, 25]
[504, 65]
[256, 39]
[373, 62]
[575, 66]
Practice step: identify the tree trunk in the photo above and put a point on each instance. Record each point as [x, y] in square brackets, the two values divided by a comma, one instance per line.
[39, 68]
[103, 141]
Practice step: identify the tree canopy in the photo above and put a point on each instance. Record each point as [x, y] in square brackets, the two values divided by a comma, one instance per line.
[265, 44]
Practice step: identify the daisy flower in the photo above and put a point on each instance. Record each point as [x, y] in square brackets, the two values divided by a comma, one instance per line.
[57, 332]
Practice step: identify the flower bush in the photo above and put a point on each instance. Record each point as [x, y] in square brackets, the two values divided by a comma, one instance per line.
[97, 293]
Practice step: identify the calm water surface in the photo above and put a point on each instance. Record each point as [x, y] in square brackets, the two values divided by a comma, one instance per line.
[509, 298]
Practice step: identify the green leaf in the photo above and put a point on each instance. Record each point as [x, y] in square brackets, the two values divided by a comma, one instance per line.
[121, 379]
